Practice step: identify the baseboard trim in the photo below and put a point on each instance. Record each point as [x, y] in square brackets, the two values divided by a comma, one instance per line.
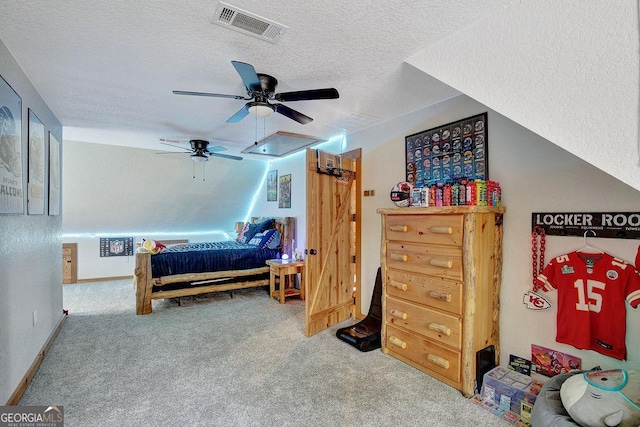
[103, 279]
[24, 382]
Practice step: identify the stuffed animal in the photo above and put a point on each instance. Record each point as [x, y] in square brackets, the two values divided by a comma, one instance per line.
[603, 398]
[152, 246]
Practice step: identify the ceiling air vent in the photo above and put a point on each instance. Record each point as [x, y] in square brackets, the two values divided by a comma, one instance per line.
[245, 22]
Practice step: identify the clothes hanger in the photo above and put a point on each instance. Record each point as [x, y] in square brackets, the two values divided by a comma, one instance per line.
[588, 249]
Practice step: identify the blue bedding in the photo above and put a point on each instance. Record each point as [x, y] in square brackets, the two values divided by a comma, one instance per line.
[208, 257]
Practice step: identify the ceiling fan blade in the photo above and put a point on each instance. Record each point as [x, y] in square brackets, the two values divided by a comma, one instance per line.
[292, 114]
[175, 152]
[216, 148]
[176, 146]
[307, 95]
[248, 75]
[226, 156]
[241, 114]
[214, 95]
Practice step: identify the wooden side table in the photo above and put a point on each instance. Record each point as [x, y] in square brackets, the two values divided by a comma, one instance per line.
[282, 269]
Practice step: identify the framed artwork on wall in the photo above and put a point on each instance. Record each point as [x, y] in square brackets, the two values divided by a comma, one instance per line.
[272, 186]
[54, 175]
[285, 191]
[36, 182]
[11, 197]
[448, 153]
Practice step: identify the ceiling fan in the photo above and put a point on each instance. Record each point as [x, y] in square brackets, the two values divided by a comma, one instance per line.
[261, 88]
[200, 150]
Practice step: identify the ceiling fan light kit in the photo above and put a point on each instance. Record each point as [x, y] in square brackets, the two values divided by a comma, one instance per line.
[261, 109]
[199, 158]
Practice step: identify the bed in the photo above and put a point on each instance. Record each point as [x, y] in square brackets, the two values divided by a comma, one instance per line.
[199, 268]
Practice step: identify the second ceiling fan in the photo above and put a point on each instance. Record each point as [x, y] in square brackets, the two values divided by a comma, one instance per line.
[261, 89]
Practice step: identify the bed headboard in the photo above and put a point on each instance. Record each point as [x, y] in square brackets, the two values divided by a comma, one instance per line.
[287, 227]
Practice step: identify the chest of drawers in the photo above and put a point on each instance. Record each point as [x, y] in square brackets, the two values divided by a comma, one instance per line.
[442, 270]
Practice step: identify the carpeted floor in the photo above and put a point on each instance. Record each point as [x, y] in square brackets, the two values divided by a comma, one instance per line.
[222, 361]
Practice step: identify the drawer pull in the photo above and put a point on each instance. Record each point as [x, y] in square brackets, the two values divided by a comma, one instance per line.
[399, 257]
[397, 313]
[442, 296]
[440, 328]
[439, 262]
[397, 341]
[442, 362]
[442, 230]
[398, 285]
[399, 227]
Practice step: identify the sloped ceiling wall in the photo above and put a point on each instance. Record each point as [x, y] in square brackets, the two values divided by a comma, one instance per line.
[567, 71]
[136, 191]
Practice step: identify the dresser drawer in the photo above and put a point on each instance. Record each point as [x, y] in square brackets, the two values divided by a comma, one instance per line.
[439, 261]
[433, 292]
[436, 229]
[423, 352]
[440, 327]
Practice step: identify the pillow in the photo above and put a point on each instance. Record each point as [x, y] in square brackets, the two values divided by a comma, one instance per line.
[257, 228]
[274, 242]
[241, 237]
[263, 239]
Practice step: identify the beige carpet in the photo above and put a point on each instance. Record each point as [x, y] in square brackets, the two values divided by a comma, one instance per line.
[222, 361]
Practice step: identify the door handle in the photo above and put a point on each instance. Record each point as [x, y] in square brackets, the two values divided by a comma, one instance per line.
[312, 252]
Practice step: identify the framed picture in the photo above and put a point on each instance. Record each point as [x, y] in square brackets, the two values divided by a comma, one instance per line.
[448, 153]
[272, 186]
[11, 197]
[54, 175]
[36, 183]
[285, 191]
[116, 246]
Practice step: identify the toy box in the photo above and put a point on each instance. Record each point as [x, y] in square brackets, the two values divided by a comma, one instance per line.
[507, 388]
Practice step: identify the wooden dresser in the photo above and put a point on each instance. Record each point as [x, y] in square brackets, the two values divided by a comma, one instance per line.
[442, 269]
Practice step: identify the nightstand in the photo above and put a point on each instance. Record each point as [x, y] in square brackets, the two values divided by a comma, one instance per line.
[283, 269]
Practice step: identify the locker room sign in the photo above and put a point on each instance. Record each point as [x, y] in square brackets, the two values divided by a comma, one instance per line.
[616, 225]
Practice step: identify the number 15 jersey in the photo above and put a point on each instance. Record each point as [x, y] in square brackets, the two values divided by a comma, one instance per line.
[592, 290]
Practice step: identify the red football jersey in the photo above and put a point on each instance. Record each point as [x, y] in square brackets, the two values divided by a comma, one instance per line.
[592, 290]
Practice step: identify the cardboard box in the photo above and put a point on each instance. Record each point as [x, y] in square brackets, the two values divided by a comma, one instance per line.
[507, 388]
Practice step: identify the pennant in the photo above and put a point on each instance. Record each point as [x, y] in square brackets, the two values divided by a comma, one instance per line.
[534, 301]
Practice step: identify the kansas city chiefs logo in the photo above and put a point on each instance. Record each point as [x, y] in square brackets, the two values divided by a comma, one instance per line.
[533, 301]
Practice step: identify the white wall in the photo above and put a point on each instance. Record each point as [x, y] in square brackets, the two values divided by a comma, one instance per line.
[567, 70]
[295, 165]
[113, 191]
[536, 176]
[31, 254]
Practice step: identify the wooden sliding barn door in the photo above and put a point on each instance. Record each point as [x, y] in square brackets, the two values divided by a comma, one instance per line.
[330, 253]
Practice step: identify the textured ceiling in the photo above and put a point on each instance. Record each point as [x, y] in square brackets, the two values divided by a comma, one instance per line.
[107, 68]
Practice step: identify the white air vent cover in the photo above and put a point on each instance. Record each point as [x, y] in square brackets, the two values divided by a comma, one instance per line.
[248, 23]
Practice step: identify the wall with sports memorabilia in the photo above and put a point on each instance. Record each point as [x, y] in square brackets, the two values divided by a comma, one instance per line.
[593, 285]
[31, 244]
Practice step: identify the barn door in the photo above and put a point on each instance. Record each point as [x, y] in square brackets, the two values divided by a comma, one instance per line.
[330, 253]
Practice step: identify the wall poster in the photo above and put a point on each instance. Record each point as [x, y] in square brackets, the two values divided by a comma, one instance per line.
[448, 153]
[116, 246]
[11, 197]
[36, 183]
[285, 191]
[272, 186]
[54, 175]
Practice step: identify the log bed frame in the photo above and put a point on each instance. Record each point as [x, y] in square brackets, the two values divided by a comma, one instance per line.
[144, 283]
